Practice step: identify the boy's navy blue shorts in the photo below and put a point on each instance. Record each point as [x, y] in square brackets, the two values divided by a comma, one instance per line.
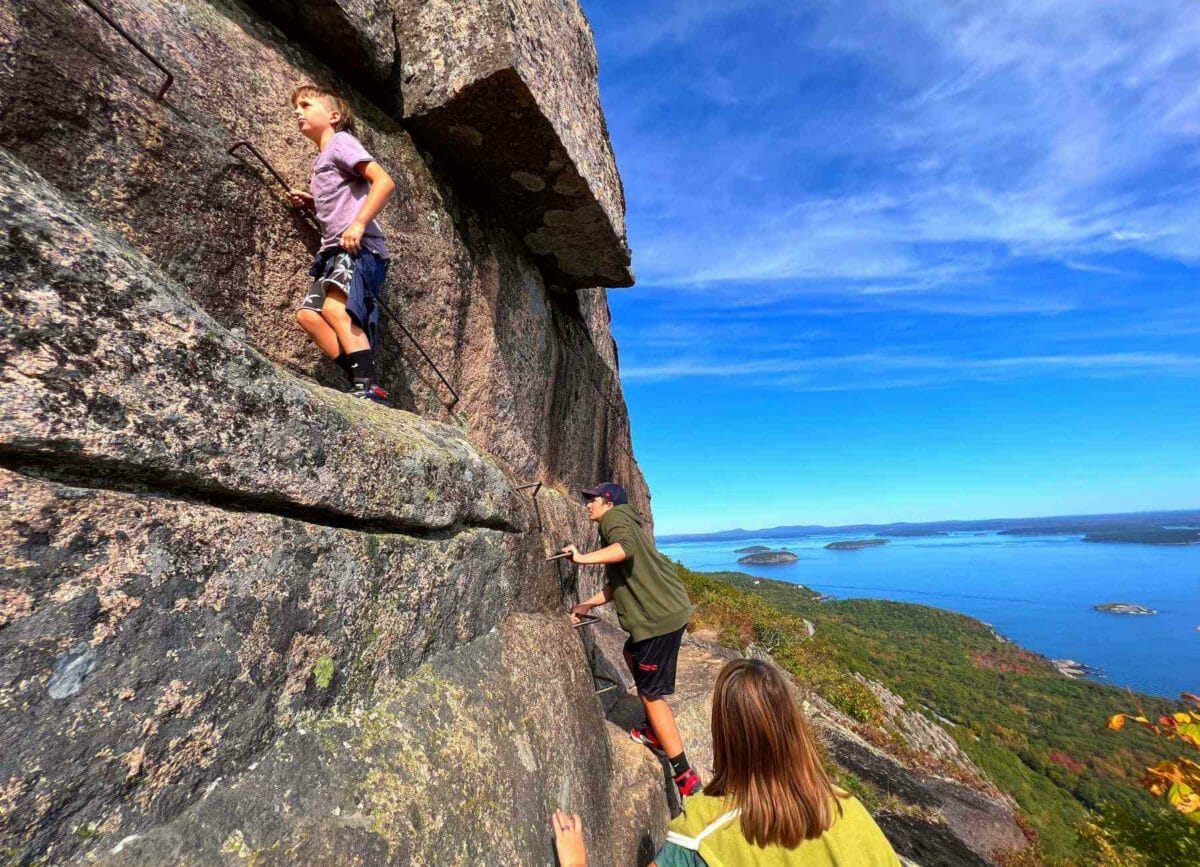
[653, 663]
[359, 276]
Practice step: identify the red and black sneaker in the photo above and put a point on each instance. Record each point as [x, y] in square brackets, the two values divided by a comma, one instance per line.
[688, 783]
[372, 392]
[643, 734]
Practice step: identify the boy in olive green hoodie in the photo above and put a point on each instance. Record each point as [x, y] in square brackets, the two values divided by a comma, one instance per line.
[652, 606]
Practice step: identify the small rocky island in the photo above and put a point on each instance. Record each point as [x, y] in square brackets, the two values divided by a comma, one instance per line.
[768, 557]
[1124, 608]
[855, 544]
[753, 549]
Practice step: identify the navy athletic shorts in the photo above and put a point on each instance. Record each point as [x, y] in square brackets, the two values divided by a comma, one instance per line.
[360, 277]
[653, 663]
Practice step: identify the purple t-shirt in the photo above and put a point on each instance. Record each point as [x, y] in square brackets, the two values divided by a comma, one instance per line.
[339, 191]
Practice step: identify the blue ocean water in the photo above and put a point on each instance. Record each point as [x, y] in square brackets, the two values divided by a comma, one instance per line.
[1036, 590]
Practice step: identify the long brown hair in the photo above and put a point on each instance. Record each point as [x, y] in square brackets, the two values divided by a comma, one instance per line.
[765, 760]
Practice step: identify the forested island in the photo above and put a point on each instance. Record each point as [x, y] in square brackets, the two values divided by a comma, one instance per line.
[768, 558]
[752, 549]
[1147, 536]
[1050, 526]
[855, 544]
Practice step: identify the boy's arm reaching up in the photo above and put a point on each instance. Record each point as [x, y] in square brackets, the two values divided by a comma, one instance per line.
[613, 553]
[381, 191]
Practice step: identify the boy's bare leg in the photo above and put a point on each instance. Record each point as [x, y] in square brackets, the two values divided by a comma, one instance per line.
[319, 330]
[351, 337]
[658, 714]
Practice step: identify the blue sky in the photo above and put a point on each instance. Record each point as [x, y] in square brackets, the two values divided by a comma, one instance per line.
[909, 260]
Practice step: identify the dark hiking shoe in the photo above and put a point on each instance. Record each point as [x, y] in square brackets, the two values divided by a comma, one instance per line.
[688, 784]
[368, 391]
[643, 734]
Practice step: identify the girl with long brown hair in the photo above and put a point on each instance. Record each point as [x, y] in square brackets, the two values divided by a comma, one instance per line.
[770, 801]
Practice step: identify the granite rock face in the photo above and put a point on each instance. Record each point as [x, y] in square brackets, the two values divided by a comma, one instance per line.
[536, 370]
[110, 371]
[947, 822]
[505, 93]
[242, 615]
[460, 763]
[153, 645]
[359, 37]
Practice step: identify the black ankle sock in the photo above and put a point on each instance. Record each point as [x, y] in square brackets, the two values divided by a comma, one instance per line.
[679, 764]
[343, 363]
[362, 366]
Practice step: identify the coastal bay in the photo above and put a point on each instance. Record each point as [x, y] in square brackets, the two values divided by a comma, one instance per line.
[1039, 591]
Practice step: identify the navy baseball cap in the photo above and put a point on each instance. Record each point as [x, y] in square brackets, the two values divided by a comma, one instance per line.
[610, 491]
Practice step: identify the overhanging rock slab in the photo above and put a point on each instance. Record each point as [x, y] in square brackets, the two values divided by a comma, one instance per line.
[506, 92]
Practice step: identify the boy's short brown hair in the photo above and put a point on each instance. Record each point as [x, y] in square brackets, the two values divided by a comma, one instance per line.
[335, 101]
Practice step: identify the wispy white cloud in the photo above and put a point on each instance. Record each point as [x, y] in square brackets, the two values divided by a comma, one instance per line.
[1027, 131]
[883, 369]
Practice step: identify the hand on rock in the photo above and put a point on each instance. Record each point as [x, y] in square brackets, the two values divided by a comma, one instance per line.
[300, 199]
[573, 551]
[568, 839]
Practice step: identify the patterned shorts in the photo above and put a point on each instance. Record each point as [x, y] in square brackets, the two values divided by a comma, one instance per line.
[360, 277]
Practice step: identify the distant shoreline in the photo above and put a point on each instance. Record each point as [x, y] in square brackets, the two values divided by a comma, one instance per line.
[1162, 524]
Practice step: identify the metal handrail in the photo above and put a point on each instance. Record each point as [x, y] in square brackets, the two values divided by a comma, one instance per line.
[111, 22]
[537, 513]
[421, 350]
[609, 680]
[537, 486]
[382, 305]
[262, 159]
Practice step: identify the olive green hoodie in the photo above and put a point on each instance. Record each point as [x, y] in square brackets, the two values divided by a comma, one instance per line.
[649, 597]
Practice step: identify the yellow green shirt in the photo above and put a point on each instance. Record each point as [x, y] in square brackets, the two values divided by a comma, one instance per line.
[709, 829]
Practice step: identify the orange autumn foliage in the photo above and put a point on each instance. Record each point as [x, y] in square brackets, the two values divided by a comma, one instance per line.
[1177, 781]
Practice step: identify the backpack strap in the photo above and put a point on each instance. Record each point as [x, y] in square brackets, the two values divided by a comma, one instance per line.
[693, 843]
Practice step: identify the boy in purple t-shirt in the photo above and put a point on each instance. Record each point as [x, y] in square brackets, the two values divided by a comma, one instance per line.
[349, 188]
